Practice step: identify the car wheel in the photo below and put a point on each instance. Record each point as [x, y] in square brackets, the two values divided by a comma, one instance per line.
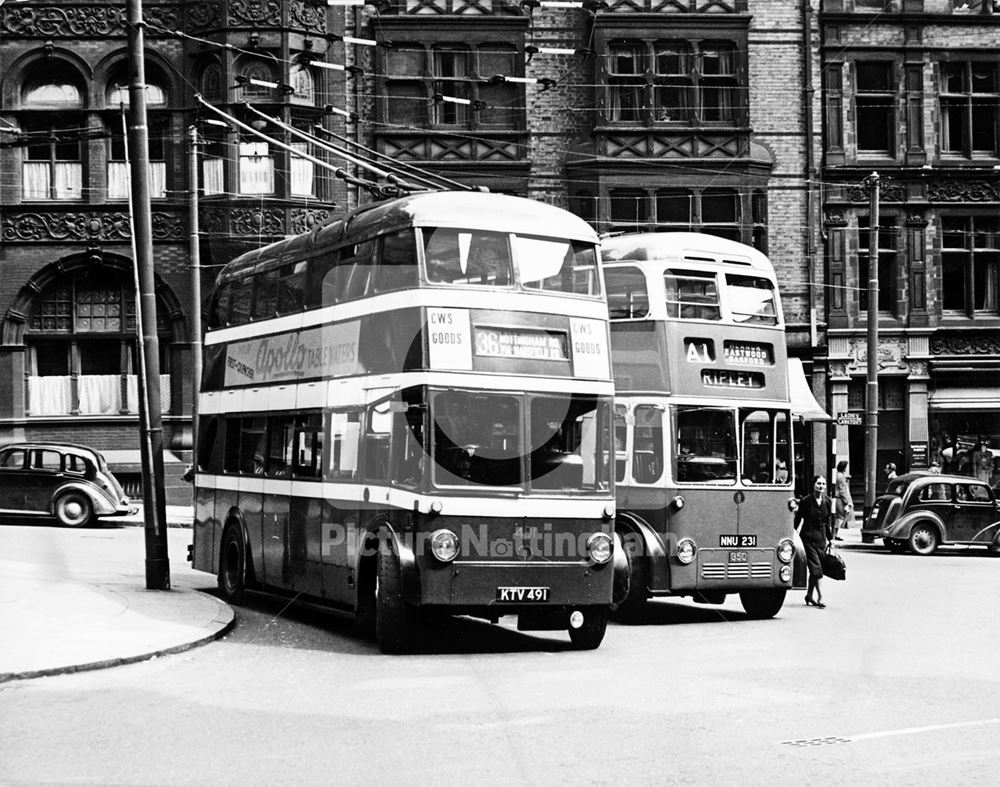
[395, 624]
[923, 539]
[762, 604]
[894, 545]
[590, 635]
[233, 565]
[74, 509]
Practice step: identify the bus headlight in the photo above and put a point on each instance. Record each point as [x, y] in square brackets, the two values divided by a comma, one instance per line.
[444, 545]
[785, 573]
[686, 550]
[600, 547]
[786, 551]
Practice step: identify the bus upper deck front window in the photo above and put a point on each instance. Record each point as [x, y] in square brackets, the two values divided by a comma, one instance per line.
[467, 258]
[752, 299]
[557, 265]
[692, 295]
[627, 295]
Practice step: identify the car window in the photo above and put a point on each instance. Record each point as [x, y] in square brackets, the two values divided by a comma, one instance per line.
[933, 492]
[80, 464]
[41, 459]
[976, 493]
[13, 459]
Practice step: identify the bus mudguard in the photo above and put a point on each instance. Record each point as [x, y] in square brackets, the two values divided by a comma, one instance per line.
[254, 562]
[407, 560]
[645, 544]
[621, 580]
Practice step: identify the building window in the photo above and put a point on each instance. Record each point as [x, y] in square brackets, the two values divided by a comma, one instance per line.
[724, 212]
[302, 84]
[888, 261]
[302, 176]
[672, 82]
[256, 167]
[970, 257]
[452, 86]
[969, 103]
[875, 107]
[81, 348]
[53, 158]
[118, 162]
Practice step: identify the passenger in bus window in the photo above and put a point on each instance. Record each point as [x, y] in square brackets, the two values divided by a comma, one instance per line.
[781, 472]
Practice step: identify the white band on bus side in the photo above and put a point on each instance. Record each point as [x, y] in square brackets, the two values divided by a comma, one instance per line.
[569, 507]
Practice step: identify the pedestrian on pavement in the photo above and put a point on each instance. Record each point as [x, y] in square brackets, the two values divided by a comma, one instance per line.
[814, 521]
[890, 473]
[843, 500]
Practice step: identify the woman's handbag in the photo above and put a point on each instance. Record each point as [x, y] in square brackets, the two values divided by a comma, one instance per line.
[833, 564]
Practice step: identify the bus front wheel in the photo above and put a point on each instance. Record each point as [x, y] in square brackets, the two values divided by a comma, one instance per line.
[762, 604]
[394, 618]
[590, 635]
[631, 608]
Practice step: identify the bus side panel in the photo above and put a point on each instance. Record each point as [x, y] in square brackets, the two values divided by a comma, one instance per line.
[305, 534]
[339, 550]
[275, 535]
[207, 531]
[249, 504]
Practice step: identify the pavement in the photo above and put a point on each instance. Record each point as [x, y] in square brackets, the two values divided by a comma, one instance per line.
[76, 599]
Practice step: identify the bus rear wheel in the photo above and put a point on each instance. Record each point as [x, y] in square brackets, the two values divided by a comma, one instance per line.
[232, 565]
[590, 635]
[395, 623]
[762, 604]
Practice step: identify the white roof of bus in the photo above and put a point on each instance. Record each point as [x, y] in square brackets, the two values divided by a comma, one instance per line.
[498, 212]
[681, 246]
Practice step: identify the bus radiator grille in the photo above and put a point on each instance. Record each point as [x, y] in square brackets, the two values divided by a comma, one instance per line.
[735, 570]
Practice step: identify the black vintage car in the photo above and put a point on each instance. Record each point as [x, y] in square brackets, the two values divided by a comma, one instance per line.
[71, 483]
[921, 511]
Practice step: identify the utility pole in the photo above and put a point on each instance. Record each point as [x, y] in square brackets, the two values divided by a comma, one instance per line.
[154, 508]
[194, 251]
[871, 390]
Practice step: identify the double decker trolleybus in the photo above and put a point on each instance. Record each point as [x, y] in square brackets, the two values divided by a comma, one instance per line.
[407, 411]
[702, 420]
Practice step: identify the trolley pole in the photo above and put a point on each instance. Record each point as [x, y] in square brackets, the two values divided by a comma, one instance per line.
[194, 250]
[154, 508]
[871, 390]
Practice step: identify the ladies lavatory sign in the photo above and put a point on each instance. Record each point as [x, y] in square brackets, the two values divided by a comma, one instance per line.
[325, 351]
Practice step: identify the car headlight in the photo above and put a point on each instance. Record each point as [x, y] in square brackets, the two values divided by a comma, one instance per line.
[686, 550]
[444, 545]
[600, 547]
[786, 551]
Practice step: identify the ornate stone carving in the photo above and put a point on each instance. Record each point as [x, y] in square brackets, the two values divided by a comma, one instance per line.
[918, 369]
[309, 14]
[204, 15]
[62, 20]
[890, 354]
[836, 218]
[889, 192]
[963, 191]
[966, 344]
[255, 12]
[304, 219]
[257, 222]
[88, 226]
[838, 369]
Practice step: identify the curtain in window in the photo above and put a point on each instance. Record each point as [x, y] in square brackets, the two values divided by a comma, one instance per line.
[36, 179]
[100, 394]
[157, 179]
[211, 169]
[117, 180]
[256, 169]
[302, 172]
[132, 393]
[69, 180]
[50, 395]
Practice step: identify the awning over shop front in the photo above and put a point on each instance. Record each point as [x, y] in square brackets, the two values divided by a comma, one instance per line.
[965, 398]
[804, 404]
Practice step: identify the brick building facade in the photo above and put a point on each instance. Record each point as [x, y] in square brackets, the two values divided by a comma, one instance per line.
[753, 119]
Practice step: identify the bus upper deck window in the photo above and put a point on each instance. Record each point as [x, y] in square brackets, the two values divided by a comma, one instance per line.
[292, 288]
[557, 265]
[627, 295]
[397, 264]
[752, 299]
[692, 295]
[467, 257]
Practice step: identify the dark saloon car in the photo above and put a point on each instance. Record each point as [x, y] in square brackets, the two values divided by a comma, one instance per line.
[921, 511]
[71, 483]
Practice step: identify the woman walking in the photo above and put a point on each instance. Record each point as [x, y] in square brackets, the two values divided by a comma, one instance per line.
[814, 521]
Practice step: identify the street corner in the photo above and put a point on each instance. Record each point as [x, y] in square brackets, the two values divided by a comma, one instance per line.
[61, 627]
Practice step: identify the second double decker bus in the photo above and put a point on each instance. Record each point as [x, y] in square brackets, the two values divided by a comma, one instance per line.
[409, 410]
[703, 420]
